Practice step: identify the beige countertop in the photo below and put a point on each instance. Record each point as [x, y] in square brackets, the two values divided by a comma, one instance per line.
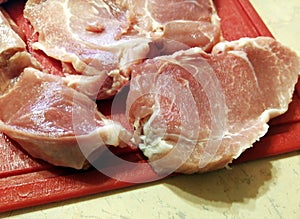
[268, 188]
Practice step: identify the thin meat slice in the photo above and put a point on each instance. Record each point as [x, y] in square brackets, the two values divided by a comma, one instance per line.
[195, 112]
[87, 35]
[54, 122]
[13, 55]
[192, 23]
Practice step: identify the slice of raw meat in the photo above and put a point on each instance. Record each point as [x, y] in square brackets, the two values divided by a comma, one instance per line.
[87, 35]
[103, 38]
[54, 122]
[195, 112]
[193, 23]
[13, 55]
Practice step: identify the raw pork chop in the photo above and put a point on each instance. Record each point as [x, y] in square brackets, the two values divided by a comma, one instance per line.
[193, 23]
[54, 122]
[195, 112]
[102, 38]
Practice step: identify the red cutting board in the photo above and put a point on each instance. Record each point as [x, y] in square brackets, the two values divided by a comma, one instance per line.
[25, 181]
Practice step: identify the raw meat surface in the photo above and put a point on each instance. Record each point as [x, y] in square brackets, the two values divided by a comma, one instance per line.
[192, 23]
[54, 122]
[86, 34]
[13, 55]
[102, 38]
[195, 112]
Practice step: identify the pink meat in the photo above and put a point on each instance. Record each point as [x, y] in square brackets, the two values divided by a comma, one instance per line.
[102, 38]
[193, 23]
[86, 35]
[13, 55]
[50, 120]
[194, 112]
[54, 122]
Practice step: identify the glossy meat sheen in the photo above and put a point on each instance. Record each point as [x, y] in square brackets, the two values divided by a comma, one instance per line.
[203, 110]
[104, 38]
[54, 122]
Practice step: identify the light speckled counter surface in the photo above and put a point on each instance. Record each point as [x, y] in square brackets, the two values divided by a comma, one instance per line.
[268, 188]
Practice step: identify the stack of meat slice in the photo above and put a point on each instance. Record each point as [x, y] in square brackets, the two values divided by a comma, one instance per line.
[38, 110]
[194, 103]
[100, 39]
